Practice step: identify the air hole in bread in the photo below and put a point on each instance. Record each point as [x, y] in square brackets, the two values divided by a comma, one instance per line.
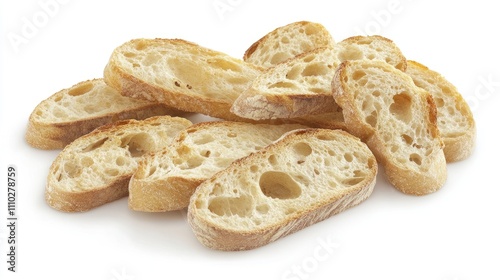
[138, 144]
[130, 54]
[205, 153]
[111, 172]
[121, 161]
[372, 119]
[232, 134]
[308, 58]
[272, 160]
[193, 162]
[81, 89]
[152, 171]
[401, 107]
[358, 74]
[348, 157]
[352, 181]
[279, 57]
[87, 161]
[262, 209]
[315, 69]
[203, 139]
[350, 53]
[72, 170]
[416, 158]
[230, 206]
[254, 168]
[287, 85]
[407, 139]
[95, 145]
[279, 185]
[294, 72]
[224, 64]
[302, 149]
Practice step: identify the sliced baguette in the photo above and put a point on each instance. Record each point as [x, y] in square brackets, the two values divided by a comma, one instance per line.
[305, 177]
[286, 42]
[302, 86]
[454, 117]
[180, 74]
[396, 119]
[75, 111]
[95, 168]
[165, 181]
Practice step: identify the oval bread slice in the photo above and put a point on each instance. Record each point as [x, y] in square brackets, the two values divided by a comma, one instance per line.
[301, 179]
[181, 74]
[301, 86]
[286, 42]
[95, 169]
[454, 118]
[164, 181]
[396, 119]
[75, 111]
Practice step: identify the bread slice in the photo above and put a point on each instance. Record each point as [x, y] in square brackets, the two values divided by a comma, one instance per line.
[305, 177]
[95, 168]
[165, 181]
[180, 74]
[396, 119]
[286, 42]
[302, 86]
[75, 111]
[454, 118]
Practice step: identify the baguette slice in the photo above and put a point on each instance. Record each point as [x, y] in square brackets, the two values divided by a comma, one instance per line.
[302, 86]
[165, 181]
[286, 42]
[305, 177]
[454, 118]
[396, 119]
[95, 169]
[180, 74]
[75, 111]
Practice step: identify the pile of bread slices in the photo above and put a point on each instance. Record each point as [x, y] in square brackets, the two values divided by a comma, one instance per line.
[304, 124]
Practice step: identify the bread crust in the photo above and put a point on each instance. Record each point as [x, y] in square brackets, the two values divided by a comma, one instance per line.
[83, 198]
[219, 237]
[406, 179]
[129, 85]
[56, 135]
[459, 144]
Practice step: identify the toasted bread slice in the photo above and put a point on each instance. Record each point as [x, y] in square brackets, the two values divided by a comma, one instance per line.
[96, 168]
[397, 120]
[454, 118]
[286, 42]
[302, 86]
[165, 181]
[180, 74]
[305, 177]
[75, 111]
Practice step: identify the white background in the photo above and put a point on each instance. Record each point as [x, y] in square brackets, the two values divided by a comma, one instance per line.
[453, 234]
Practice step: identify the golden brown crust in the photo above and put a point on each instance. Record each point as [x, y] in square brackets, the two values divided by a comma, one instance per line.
[214, 236]
[460, 144]
[84, 198]
[405, 179]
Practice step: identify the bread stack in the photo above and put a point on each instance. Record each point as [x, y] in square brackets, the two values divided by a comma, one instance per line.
[304, 124]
